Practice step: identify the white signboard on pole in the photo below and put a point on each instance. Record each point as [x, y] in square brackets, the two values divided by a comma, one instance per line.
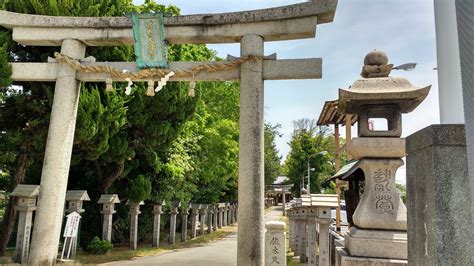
[72, 225]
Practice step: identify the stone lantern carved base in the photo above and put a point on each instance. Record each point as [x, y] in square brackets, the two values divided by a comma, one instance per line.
[377, 243]
[380, 206]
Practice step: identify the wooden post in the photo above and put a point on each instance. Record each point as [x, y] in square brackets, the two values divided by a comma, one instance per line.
[338, 166]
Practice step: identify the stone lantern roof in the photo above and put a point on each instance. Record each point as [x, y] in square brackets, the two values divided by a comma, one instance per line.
[377, 87]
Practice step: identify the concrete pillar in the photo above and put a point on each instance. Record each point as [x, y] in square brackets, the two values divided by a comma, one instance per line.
[194, 219]
[250, 250]
[231, 214]
[324, 254]
[210, 212]
[107, 225]
[439, 223]
[275, 245]
[157, 211]
[203, 214]
[214, 217]
[290, 228]
[57, 159]
[173, 214]
[134, 212]
[184, 224]
[312, 242]
[449, 66]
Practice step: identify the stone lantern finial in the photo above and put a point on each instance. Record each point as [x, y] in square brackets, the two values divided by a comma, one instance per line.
[376, 65]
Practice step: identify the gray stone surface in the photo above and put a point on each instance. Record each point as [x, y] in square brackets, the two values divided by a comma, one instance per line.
[343, 258]
[157, 211]
[251, 247]
[439, 199]
[275, 243]
[173, 214]
[194, 219]
[184, 225]
[57, 159]
[376, 243]
[465, 24]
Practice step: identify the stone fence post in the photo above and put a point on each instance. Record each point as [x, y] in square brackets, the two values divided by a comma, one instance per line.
[194, 218]
[214, 217]
[226, 207]
[202, 214]
[25, 204]
[221, 215]
[184, 223]
[210, 212]
[157, 211]
[275, 246]
[173, 214]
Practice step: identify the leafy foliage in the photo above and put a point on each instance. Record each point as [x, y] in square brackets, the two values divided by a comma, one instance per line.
[307, 145]
[271, 157]
[139, 189]
[98, 246]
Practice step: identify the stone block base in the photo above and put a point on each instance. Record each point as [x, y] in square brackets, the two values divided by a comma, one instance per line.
[377, 243]
[343, 258]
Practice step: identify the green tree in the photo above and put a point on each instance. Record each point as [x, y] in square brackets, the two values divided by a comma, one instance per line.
[271, 157]
[306, 142]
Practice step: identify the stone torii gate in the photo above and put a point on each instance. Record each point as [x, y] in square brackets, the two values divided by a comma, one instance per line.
[250, 28]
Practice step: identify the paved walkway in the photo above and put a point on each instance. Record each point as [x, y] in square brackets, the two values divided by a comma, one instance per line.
[222, 252]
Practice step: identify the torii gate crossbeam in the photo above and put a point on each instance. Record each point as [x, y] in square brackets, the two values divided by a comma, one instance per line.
[250, 28]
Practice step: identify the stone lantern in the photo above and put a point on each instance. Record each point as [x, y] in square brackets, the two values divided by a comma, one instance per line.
[380, 219]
[25, 205]
[202, 215]
[108, 201]
[75, 198]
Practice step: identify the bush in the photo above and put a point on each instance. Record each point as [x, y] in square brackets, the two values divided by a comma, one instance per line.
[98, 246]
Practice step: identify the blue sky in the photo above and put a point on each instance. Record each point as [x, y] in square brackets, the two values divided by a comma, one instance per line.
[404, 29]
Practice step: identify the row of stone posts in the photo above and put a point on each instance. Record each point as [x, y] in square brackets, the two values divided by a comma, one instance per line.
[309, 220]
[213, 216]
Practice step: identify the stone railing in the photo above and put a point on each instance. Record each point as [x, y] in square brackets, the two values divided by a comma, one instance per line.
[309, 220]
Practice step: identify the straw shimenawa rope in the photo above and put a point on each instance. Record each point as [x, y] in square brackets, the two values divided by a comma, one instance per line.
[154, 72]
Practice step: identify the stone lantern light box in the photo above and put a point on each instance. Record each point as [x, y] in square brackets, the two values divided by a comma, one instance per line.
[108, 202]
[26, 196]
[75, 199]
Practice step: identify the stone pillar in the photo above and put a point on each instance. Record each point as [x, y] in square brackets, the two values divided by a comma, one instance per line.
[438, 197]
[214, 217]
[203, 214]
[250, 250]
[134, 212]
[302, 235]
[194, 219]
[275, 245]
[224, 218]
[25, 204]
[57, 159]
[324, 253]
[184, 224]
[231, 214]
[291, 231]
[296, 236]
[312, 240]
[157, 211]
[221, 215]
[210, 212]
[173, 214]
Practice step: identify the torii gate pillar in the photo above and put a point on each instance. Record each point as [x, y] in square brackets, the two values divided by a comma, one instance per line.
[54, 177]
[251, 180]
